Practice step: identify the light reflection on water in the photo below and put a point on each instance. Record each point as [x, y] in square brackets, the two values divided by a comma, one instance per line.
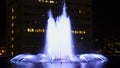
[58, 65]
[92, 65]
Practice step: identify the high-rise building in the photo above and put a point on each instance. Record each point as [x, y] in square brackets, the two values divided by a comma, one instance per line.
[27, 20]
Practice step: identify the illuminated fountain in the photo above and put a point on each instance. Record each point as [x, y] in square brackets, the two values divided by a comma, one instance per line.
[58, 45]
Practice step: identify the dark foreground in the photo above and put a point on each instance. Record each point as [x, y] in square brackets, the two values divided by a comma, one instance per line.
[113, 62]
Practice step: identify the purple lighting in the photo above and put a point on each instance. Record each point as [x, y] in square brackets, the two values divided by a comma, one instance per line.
[58, 37]
[59, 45]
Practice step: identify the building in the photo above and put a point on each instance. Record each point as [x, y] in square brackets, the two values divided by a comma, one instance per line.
[108, 46]
[27, 19]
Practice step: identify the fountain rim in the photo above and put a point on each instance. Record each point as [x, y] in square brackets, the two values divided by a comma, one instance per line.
[83, 58]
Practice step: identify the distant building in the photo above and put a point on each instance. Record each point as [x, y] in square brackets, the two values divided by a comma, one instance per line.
[27, 19]
[109, 46]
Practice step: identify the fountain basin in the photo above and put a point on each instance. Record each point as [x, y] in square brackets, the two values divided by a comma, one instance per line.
[42, 58]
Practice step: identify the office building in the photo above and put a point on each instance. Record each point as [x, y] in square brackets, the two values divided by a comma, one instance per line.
[27, 20]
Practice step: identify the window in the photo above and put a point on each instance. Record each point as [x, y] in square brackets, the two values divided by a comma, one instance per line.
[12, 10]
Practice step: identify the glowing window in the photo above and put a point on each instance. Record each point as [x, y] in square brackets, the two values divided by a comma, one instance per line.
[12, 46]
[12, 38]
[51, 1]
[81, 38]
[12, 10]
[43, 30]
[36, 30]
[12, 24]
[80, 11]
[28, 30]
[12, 31]
[72, 31]
[46, 1]
[76, 32]
[3, 51]
[0, 53]
[13, 17]
[84, 32]
[80, 32]
[41, 0]
[12, 53]
[32, 30]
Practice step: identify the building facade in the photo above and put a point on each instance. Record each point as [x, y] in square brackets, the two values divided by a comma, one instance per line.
[27, 20]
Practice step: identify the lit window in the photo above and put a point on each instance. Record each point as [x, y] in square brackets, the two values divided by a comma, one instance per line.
[84, 32]
[39, 30]
[41, 0]
[13, 17]
[12, 46]
[32, 30]
[76, 32]
[12, 10]
[43, 30]
[3, 51]
[0, 53]
[12, 24]
[12, 53]
[80, 11]
[80, 32]
[12, 31]
[28, 30]
[51, 1]
[12, 38]
[46, 1]
[72, 31]
[35, 30]
[81, 38]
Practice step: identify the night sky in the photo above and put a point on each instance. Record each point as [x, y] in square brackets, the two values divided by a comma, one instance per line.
[105, 20]
[2, 22]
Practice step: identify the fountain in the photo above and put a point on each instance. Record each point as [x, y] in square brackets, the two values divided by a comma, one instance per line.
[59, 45]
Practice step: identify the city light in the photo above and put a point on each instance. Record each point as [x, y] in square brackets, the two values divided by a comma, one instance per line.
[43, 30]
[2, 51]
[47, 1]
[12, 10]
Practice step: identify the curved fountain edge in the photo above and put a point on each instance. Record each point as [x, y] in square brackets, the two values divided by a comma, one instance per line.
[42, 58]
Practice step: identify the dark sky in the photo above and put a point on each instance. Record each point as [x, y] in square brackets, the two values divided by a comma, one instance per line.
[2, 21]
[105, 19]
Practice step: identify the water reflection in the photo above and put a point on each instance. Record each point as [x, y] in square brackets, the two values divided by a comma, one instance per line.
[58, 65]
[92, 65]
